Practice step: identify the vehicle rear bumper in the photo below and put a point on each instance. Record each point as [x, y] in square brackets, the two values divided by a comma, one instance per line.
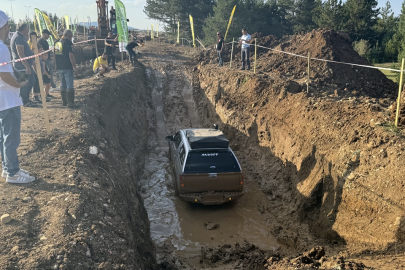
[211, 198]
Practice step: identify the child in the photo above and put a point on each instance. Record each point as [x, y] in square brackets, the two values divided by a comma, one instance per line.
[46, 76]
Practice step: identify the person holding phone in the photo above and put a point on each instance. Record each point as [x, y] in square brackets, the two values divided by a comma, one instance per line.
[10, 113]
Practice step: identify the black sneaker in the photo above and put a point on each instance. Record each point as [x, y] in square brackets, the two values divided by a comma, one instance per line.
[114, 68]
[37, 100]
[242, 68]
[49, 96]
[30, 104]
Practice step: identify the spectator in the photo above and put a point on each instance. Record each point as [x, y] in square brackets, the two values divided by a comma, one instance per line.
[37, 89]
[130, 48]
[100, 66]
[46, 75]
[20, 49]
[10, 113]
[43, 41]
[66, 64]
[245, 41]
[110, 49]
[220, 47]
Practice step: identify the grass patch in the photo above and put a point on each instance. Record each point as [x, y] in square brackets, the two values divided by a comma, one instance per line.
[390, 127]
[390, 74]
[245, 79]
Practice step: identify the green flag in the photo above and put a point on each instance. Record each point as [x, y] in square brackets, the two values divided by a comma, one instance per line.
[121, 25]
[42, 24]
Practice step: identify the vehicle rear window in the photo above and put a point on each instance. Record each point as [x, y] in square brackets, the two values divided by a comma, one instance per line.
[211, 161]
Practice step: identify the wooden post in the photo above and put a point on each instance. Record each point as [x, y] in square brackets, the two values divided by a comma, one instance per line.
[41, 83]
[399, 92]
[309, 58]
[95, 42]
[233, 41]
[254, 68]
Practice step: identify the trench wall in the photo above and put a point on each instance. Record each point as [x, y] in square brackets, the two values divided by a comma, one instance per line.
[320, 162]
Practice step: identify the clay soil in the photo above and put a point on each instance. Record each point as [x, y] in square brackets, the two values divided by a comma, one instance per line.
[323, 169]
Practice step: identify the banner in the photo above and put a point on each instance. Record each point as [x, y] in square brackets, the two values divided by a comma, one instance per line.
[121, 25]
[192, 29]
[67, 22]
[42, 24]
[178, 32]
[230, 21]
[51, 29]
[36, 26]
[151, 31]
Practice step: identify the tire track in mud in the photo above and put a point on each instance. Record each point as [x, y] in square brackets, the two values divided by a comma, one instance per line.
[177, 227]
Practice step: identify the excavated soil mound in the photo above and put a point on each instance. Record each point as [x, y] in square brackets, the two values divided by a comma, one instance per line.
[322, 44]
[249, 256]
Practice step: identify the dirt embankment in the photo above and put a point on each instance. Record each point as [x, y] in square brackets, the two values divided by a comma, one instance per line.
[84, 211]
[330, 166]
[345, 80]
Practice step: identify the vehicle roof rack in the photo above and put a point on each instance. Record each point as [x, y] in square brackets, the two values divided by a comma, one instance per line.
[206, 138]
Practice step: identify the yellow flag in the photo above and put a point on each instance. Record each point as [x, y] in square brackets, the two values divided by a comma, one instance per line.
[178, 32]
[230, 21]
[151, 32]
[50, 27]
[192, 29]
[67, 22]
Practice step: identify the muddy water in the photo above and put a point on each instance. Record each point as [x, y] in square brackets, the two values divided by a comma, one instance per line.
[182, 223]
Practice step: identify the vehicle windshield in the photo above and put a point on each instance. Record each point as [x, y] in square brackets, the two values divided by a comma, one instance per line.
[211, 161]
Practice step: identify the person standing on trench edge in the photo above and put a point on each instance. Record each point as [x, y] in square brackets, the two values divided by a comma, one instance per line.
[245, 41]
[66, 64]
[220, 48]
[10, 113]
[110, 49]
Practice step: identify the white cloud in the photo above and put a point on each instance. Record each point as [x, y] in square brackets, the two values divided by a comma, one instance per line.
[63, 6]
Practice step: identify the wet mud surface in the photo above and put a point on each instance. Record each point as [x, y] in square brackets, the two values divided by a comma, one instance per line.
[177, 225]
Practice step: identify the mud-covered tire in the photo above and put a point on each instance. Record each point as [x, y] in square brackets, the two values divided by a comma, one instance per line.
[176, 188]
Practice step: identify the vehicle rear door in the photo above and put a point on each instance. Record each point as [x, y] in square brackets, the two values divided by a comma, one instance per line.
[212, 170]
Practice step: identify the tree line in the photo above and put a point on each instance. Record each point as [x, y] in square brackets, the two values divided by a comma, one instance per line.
[377, 34]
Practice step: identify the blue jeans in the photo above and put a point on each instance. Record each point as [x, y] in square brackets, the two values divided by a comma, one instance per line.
[10, 127]
[221, 62]
[66, 77]
[25, 91]
[245, 57]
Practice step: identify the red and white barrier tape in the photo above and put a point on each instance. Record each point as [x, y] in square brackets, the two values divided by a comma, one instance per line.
[33, 56]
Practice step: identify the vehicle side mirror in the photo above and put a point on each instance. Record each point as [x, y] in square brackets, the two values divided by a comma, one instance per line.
[170, 138]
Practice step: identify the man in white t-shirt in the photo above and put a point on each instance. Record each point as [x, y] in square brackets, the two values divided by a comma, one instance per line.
[10, 113]
[245, 41]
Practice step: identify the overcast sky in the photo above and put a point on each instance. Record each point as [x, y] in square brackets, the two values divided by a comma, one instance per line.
[84, 8]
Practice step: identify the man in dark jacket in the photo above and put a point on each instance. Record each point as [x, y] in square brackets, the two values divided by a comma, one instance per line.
[110, 45]
[43, 41]
[66, 64]
[220, 48]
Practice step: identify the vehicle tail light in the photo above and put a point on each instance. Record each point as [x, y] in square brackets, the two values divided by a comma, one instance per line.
[181, 177]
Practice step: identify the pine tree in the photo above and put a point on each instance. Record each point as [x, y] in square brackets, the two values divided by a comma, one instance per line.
[400, 35]
[361, 18]
[304, 15]
[330, 14]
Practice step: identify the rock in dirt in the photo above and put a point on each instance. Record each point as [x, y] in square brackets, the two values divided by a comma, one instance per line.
[5, 218]
[105, 266]
[93, 150]
[27, 199]
[211, 225]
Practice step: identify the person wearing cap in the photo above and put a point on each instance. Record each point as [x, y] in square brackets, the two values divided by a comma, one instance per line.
[245, 42]
[19, 50]
[43, 41]
[10, 113]
[110, 48]
[220, 48]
